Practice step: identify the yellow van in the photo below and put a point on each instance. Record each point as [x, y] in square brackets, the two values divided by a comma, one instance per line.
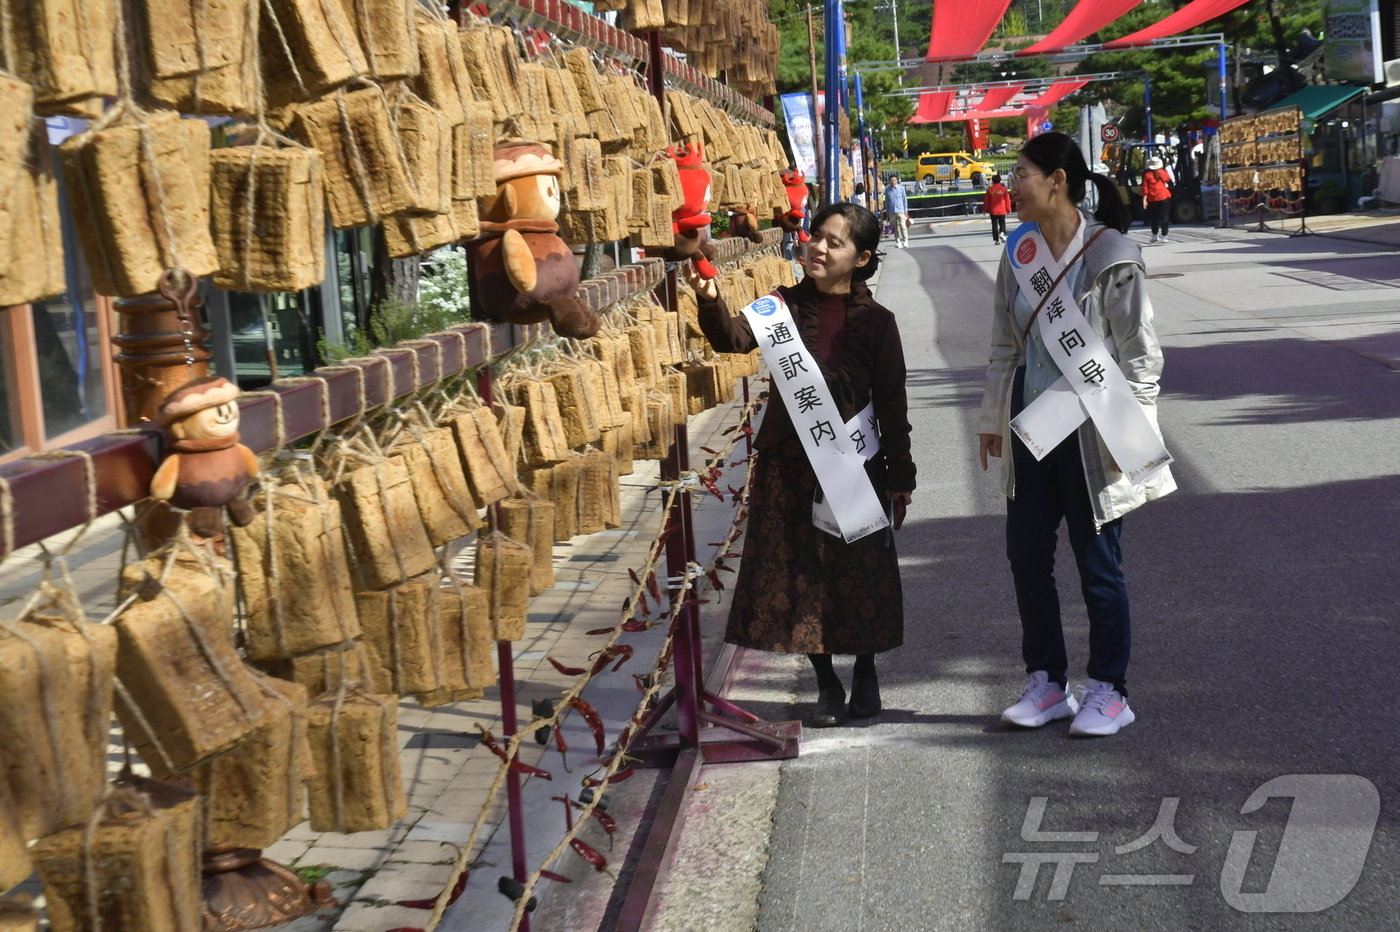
[953, 166]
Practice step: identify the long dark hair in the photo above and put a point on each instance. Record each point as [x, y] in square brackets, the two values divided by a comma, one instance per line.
[1050, 151]
[865, 233]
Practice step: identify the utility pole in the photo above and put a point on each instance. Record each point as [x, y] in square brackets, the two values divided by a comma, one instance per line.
[894, 15]
[816, 121]
[898, 56]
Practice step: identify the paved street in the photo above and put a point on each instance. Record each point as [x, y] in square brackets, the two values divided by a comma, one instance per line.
[1265, 605]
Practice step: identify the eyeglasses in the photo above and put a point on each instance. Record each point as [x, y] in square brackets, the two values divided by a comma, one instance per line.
[1021, 175]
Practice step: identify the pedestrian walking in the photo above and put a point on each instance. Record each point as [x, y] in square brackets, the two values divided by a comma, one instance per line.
[1078, 482]
[897, 211]
[1157, 198]
[997, 203]
[801, 589]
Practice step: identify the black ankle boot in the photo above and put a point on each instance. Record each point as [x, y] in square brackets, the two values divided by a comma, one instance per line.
[830, 706]
[865, 696]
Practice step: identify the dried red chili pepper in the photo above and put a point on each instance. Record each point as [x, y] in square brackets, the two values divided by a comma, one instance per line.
[557, 878]
[618, 777]
[620, 652]
[654, 587]
[594, 720]
[562, 747]
[635, 625]
[590, 854]
[608, 823]
[567, 671]
[596, 631]
[517, 765]
[569, 805]
[488, 740]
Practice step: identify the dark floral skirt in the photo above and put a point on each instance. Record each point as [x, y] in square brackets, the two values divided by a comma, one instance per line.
[800, 590]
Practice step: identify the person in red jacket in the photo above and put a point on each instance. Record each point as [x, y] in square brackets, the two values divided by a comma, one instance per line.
[1157, 198]
[997, 203]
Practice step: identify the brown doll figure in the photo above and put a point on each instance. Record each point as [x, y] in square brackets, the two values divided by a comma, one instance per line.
[523, 273]
[205, 468]
[743, 221]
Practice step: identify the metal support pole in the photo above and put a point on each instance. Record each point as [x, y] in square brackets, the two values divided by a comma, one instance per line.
[505, 659]
[515, 808]
[680, 553]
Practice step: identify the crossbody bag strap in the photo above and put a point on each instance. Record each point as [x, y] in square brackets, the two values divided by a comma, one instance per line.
[1059, 278]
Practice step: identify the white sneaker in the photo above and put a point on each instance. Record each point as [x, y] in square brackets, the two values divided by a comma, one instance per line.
[1153, 239]
[1042, 702]
[1103, 711]
[1164, 238]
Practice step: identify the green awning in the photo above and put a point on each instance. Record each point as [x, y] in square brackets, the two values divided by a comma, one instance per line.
[1317, 99]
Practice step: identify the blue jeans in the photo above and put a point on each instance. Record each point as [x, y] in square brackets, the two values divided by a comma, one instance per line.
[1048, 492]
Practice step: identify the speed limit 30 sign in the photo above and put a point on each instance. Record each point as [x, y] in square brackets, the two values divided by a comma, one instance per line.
[1109, 132]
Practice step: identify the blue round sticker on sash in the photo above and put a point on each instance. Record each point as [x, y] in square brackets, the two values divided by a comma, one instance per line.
[764, 306]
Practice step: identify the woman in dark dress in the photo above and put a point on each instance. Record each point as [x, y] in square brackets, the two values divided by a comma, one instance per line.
[801, 590]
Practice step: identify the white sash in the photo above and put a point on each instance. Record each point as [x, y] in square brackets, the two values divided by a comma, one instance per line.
[1092, 385]
[864, 431]
[830, 443]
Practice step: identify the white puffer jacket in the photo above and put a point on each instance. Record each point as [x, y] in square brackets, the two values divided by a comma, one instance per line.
[1112, 293]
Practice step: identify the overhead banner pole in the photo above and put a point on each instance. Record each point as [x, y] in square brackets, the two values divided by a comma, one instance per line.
[865, 153]
[835, 72]
[1223, 75]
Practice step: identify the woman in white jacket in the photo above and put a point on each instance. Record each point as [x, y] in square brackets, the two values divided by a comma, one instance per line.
[1077, 482]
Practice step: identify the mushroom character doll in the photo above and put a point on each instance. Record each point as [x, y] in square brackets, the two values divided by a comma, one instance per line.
[206, 468]
[524, 273]
[690, 222]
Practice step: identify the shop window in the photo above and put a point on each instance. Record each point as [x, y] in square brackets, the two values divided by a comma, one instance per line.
[70, 354]
[354, 260]
[58, 383]
[273, 336]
